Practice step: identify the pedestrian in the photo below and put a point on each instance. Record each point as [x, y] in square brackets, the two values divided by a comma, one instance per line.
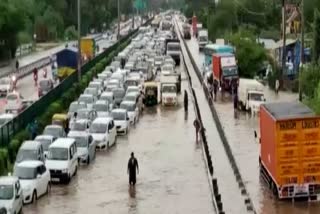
[66, 128]
[277, 86]
[17, 65]
[215, 89]
[133, 167]
[32, 129]
[185, 101]
[235, 104]
[196, 124]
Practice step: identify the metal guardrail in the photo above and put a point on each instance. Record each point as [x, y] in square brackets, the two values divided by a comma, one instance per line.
[235, 168]
[8, 130]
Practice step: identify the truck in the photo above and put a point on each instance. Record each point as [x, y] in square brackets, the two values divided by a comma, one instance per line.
[166, 25]
[251, 95]
[173, 49]
[225, 70]
[88, 47]
[289, 157]
[67, 61]
[168, 89]
[203, 38]
[186, 31]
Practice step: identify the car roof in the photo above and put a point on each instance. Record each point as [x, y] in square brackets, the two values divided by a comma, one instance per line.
[101, 102]
[132, 93]
[82, 121]
[103, 120]
[30, 163]
[6, 116]
[107, 93]
[86, 95]
[30, 144]
[46, 137]
[78, 134]
[53, 126]
[8, 180]
[119, 110]
[128, 102]
[133, 87]
[62, 143]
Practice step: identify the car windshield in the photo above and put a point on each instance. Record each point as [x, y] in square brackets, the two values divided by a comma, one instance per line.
[130, 98]
[101, 107]
[107, 98]
[52, 131]
[95, 85]
[232, 71]
[81, 141]
[45, 143]
[86, 99]
[92, 91]
[173, 47]
[75, 107]
[58, 153]
[26, 154]
[118, 115]
[169, 89]
[167, 68]
[25, 172]
[256, 97]
[203, 38]
[83, 115]
[6, 192]
[132, 83]
[127, 106]
[11, 97]
[118, 93]
[79, 126]
[98, 128]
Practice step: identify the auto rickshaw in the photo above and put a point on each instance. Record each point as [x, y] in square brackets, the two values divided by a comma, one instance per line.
[151, 93]
[61, 120]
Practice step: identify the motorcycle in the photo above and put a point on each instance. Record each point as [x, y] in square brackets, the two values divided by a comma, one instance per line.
[14, 82]
[45, 73]
[35, 78]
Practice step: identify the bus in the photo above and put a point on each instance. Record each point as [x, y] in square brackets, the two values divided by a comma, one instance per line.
[211, 49]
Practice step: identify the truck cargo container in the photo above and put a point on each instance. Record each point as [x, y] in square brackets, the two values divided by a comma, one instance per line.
[225, 70]
[290, 150]
[88, 47]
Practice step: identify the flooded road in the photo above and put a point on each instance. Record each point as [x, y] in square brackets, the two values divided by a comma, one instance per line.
[172, 178]
[240, 134]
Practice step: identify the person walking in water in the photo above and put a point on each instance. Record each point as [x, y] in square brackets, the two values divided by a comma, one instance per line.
[133, 167]
[196, 124]
[277, 86]
[185, 101]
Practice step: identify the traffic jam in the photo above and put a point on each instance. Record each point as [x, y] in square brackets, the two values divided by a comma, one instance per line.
[143, 75]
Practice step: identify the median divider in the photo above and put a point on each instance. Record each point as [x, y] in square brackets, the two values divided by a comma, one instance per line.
[216, 196]
[14, 132]
[235, 168]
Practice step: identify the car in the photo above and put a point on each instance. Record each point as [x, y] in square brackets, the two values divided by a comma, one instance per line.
[104, 132]
[112, 83]
[102, 107]
[46, 141]
[80, 125]
[30, 150]
[88, 99]
[11, 197]
[5, 86]
[92, 91]
[118, 94]
[14, 102]
[34, 178]
[45, 85]
[167, 69]
[121, 120]
[86, 146]
[135, 89]
[54, 130]
[97, 84]
[75, 106]
[4, 118]
[118, 75]
[62, 159]
[132, 109]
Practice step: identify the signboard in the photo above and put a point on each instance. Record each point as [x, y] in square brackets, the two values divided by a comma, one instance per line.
[228, 61]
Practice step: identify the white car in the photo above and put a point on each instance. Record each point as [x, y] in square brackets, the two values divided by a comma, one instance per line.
[14, 102]
[11, 197]
[102, 107]
[34, 178]
[46, 141]
[104, 132]
[5, 86]
[74, 107]
[80, 125]
[121, 120]
[108, 96]
[92, 91]
[86, 146]
[135, 89]
[132, 96]
[62, 160]
[88, 99]
[54, 130]
[4, 118]
[132, 109]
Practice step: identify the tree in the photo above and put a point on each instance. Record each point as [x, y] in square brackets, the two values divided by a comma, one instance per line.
[316, 36]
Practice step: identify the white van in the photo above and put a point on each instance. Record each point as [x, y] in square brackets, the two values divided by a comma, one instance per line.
[203, 38]
[11, 194]
[30, 150]
[103, 131]
[62, 159]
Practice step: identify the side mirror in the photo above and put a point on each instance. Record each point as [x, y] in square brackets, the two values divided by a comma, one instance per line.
[17, 196]
[128, 118]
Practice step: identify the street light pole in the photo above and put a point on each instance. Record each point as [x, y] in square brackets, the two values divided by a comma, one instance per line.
[283, 37]
[79, 42]
[302, 48]
[118, 36]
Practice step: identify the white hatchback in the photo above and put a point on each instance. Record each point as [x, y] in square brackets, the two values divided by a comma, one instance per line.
[11, 197]
[104, 132]
[34, 178]
[121, 120]
[132, 109]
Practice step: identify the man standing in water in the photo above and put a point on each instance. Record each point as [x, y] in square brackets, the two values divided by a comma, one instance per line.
[132, 167]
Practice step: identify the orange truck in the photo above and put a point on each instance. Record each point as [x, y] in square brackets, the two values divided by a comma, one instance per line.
[290, 150]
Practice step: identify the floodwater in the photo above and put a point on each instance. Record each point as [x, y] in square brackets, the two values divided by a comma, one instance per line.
[172, 179]
[240, 134]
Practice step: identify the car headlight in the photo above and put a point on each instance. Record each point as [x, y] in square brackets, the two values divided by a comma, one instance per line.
[64, 170]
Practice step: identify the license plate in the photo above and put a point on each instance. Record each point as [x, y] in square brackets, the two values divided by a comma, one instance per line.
[55, 179]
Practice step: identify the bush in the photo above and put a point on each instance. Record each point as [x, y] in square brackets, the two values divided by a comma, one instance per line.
[99, 67]
[295, 86]
[70, 33]
[55, 108]
[3, 161]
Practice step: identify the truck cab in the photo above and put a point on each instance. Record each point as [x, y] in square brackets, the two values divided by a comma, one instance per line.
[169, 90]
[173, 49]
[251, 95]
[203, 38]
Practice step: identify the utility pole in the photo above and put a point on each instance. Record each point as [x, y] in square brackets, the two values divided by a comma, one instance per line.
[133, 12]
[283, 37]
[79, 41]
[118, 35]
[302, 47]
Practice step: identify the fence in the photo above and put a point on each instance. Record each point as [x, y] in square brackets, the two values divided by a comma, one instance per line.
[8, 130]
